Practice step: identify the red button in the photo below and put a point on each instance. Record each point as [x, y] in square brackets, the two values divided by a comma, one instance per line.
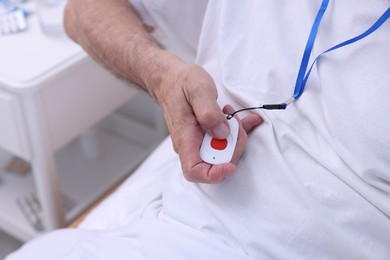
[218, 144]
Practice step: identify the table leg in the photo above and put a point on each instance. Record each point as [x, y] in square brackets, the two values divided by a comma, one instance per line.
[43, 163]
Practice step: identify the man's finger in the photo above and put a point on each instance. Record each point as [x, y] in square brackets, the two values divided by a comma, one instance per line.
[251, 121]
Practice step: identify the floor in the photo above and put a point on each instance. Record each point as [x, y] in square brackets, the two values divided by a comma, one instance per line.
[8, 244]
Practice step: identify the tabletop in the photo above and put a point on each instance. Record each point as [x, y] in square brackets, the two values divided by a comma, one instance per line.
[30, 57]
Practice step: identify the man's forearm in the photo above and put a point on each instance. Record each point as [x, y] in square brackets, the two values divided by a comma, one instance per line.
[112, 33]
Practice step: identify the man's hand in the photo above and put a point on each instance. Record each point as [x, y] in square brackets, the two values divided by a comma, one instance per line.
[188, 97]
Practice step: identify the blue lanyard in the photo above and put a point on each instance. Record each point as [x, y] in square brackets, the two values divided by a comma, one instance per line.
[302, 77]
[302, 74]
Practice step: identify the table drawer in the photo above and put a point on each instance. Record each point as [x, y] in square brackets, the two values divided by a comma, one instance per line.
[12, 133]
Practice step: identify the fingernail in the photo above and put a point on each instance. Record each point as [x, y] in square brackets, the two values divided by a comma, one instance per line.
[221, 131]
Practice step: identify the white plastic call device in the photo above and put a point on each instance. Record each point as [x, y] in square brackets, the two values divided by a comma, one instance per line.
[218, 151]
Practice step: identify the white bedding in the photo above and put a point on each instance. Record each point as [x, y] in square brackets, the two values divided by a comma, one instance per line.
[140, 195]
[313, 182]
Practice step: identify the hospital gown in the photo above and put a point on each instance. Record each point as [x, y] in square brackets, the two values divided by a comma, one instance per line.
[314, 181]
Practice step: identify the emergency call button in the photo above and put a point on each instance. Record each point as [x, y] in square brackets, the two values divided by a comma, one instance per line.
[218, 144]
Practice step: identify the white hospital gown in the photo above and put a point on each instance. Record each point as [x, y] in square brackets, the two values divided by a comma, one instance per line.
[314, 181]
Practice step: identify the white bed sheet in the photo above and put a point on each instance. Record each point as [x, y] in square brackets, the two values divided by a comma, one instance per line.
[142, 189]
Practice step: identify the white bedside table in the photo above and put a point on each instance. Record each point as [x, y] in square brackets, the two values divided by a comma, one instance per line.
[50, 93]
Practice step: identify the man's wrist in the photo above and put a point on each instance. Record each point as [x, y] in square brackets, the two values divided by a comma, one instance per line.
[159, 68]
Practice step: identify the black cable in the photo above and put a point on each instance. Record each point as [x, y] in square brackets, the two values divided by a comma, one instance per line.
[282, 106]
